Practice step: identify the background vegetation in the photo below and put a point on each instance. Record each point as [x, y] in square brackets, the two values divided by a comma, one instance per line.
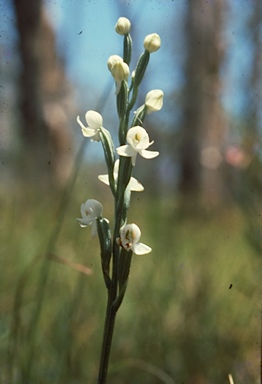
[192, 311]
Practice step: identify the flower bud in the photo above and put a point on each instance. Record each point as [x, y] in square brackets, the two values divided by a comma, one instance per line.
[154, 101]
[152, 42]
[122, 26]
[120, 71]
[112, 60]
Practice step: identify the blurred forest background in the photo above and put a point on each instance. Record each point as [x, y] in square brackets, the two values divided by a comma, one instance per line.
[192, 313]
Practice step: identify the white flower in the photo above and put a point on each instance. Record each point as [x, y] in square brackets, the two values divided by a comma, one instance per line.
[152, 42]
[90, 210]
[122, 26]
[129, 239]
[138, 140]
[94, 124]
[133, 184]
[154, 101]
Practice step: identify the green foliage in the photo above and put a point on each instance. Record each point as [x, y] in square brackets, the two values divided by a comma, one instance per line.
[191, 311]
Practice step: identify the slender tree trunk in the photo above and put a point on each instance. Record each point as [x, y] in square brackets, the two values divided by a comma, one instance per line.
[203, 127]
[34, 131]
[44, 98]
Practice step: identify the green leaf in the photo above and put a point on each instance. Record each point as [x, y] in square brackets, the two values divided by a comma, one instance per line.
[109, 152]
[123, 274]
[141, 68]
[139, 116]
[104, 234]
[124, 175]
[122, 100]
[127, 49]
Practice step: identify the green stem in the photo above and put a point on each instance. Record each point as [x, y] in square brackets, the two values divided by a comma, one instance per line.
[111, 309]
[133, 99]
[107, 340]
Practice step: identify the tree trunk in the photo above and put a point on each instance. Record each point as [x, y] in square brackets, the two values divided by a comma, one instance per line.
[43, 92]
[203, 127]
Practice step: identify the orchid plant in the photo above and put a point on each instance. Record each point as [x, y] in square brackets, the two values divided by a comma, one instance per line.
[118, 246]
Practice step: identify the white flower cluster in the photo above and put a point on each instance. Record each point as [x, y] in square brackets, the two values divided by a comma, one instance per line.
[136, 137]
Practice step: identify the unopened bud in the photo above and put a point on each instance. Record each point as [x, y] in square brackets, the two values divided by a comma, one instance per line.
[120, 71]
[154, 101]
[122, 26]
[152, 42]
[112, 60]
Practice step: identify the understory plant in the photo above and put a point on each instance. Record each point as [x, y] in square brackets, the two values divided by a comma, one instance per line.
[120, 240]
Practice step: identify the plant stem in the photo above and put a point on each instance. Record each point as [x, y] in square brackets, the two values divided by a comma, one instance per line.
[111, 309]
[107, 340]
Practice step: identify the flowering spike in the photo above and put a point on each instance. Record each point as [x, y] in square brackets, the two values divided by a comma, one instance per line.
[117, 249]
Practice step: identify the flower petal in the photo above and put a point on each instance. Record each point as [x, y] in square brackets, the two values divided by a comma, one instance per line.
[148, 154]
[83, 211]
[94, 119]
[138, 138]
[104, 179]
[88, 132]
[134, 185]
[112, 60]
[126, 150]
[116, 167]
[141, 249]
[93, 228]
[118, 86]
[133, 159]
[93, 207]
[154, 101]
[96, 136]
[84, 222]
